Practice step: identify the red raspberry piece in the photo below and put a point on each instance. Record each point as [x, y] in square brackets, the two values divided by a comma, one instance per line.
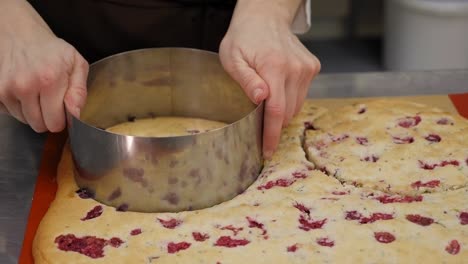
[226, 241]
[384, 237]
[325, 241]
[135, 232]
[170, 224]
[408, 121]
[429, 184]
[362, 141]
[453, 247]
[420, 220]
[463, 218]
[279, 183]
[427, 166]
[90, 246]
[353, 215]
[433, 138]
[255, 224]
[235, 230]
[93, 213]
[199, 236]
[375, 217]
[176, 247]
[292, 248]
[299, 175]
[115, 242]
[362, 110]
[385, 199]
[449, 162]
[308, 224]
[302, 208]
[403, 140]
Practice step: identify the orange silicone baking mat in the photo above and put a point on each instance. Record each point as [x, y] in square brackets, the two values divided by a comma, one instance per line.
[46, 186]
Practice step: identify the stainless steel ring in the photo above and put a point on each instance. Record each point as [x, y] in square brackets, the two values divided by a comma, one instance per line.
[165, 174]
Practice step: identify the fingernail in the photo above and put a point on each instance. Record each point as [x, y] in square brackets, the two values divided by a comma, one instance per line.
[257, 95]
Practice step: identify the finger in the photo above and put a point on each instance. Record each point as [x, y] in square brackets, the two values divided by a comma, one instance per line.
[250, 81]
[3, 109]
[311, 67]
[293, 84]
[9, 99]
[303, 88]
[291, 98]
[31, 109]
[53, 84]
[274, 111]
[13, 107]
[301, 96]
[75, 96]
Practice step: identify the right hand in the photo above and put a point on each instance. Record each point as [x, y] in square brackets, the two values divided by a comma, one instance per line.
[39, 74]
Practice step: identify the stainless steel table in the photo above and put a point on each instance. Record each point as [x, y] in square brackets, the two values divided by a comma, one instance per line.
[20, 147]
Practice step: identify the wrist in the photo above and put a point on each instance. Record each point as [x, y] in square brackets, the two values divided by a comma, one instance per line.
[282, 11]
[19, 16]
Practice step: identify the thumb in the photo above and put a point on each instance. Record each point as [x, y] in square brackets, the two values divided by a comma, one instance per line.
[75, 97]
[252, 84]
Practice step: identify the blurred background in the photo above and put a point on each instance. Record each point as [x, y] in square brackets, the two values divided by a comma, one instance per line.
[389, 35]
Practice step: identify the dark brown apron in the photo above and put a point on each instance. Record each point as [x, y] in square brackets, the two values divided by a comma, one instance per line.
[99, 28]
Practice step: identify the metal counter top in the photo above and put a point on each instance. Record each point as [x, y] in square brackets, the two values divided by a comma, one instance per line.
[21, 147]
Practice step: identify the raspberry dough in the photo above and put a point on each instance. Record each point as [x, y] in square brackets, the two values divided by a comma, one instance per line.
[395, 147]
[295, 212]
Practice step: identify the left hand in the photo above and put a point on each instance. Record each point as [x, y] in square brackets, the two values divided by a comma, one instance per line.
[269, 62]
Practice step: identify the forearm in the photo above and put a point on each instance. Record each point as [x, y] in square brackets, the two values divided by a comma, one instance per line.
[19, 14]
[284, 10]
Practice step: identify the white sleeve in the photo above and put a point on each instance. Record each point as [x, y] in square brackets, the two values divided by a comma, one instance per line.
[301, 23]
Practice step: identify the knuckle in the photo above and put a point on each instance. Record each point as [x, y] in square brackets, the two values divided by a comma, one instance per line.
[224, 45]
[272, 59]
[317, 65]
[82, 63]
[249, 81]
[296, 66]
[77, 95]
[23, 86]
[47, 77]
[312, 66]
[277, 60]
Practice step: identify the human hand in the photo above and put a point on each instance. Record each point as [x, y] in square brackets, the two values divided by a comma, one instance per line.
[269, 62]
[39, 72]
